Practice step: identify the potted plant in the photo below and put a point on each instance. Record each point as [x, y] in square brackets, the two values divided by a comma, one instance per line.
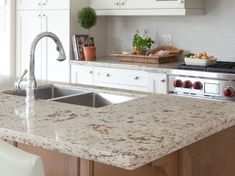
[87, 19]
[141, 44]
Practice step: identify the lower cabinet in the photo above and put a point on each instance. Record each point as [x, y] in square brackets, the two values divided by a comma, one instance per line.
[58, 164]
[158, 83]
[213, 156]
[82, 74]
[136, 80]
[55, 163]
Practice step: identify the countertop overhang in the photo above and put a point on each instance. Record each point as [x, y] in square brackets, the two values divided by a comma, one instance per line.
[127, 135]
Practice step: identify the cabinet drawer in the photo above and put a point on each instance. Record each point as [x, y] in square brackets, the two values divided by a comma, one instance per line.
[82, 74]
[120, 76]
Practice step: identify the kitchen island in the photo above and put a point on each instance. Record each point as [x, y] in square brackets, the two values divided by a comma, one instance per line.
[151, 135]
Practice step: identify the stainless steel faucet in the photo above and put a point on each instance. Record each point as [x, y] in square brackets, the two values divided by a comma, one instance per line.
[31, 81]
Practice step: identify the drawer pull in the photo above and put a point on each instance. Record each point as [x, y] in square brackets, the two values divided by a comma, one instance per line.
[116, 3]
[163, 80]
[137, 78]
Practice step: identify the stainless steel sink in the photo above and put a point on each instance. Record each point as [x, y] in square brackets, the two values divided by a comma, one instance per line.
[75, 96]
[95, 100]
[48, 92]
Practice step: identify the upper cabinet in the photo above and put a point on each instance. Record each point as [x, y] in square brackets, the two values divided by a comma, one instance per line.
[28, 4]
[42, 4]
[55, 4]
[147, 7]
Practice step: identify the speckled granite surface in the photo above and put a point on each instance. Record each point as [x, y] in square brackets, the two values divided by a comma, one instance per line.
[127, 135]
[111, 63]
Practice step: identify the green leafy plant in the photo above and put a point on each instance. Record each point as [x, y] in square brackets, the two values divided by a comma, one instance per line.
[142, 43]
[87, 18]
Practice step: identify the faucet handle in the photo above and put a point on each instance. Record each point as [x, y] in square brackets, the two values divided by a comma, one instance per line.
[18, 84]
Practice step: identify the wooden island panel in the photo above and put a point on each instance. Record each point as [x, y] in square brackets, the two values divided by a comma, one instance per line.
[213, 156]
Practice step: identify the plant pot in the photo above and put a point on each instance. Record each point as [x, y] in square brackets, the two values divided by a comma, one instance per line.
[141, 52]
[89, 53]
[138, 51]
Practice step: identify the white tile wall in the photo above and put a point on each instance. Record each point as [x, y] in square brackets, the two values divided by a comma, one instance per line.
[213, 33]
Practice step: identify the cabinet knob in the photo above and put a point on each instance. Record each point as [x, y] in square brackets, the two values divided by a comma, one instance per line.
[163, 80]
[44, 15]
[91, 72]
[116, 3]
[44, 4]
[39, 15]
[39, 4]
[180, 1]
[108, 75]
[137, 78]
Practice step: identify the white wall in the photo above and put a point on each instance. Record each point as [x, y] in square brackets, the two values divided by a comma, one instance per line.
[213, 33]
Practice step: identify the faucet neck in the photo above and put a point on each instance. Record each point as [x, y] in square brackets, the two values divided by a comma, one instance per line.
[32, 84]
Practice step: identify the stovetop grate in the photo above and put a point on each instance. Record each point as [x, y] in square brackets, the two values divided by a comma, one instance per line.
[221, 67]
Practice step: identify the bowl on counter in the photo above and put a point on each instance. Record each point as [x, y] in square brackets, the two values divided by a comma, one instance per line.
[199, 61]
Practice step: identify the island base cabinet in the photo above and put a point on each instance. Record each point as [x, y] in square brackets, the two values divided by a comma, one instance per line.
[55, 163]
[166, 166]
[213, 156]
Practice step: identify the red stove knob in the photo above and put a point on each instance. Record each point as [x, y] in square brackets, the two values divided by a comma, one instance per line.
[228, 92]
[178, 83]
[197, 85]
[187, 84]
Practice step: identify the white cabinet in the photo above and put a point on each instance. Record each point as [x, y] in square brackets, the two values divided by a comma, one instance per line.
[147, 7]
[56, 22]
[30, 23]
[55, 4]
[28, 26]
[42, 4]
[137, 4]
[158, 83]
[82, 74]
[120, 78]
[28, 4]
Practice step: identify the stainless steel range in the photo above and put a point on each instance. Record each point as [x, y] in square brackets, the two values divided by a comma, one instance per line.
[215, 82]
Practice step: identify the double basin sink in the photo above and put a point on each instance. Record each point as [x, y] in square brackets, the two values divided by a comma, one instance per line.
[76, 96]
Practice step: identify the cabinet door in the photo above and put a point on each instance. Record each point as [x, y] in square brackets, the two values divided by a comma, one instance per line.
[28, 27]
[105, 4]
[151, 4]
[136, 4]
[28, 4]
[58, 23]
[55, 4]
[81, 74]
[55, 163]
[157, 83]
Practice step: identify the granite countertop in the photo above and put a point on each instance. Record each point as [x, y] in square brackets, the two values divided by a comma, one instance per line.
[127, 135]
[112, 63]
